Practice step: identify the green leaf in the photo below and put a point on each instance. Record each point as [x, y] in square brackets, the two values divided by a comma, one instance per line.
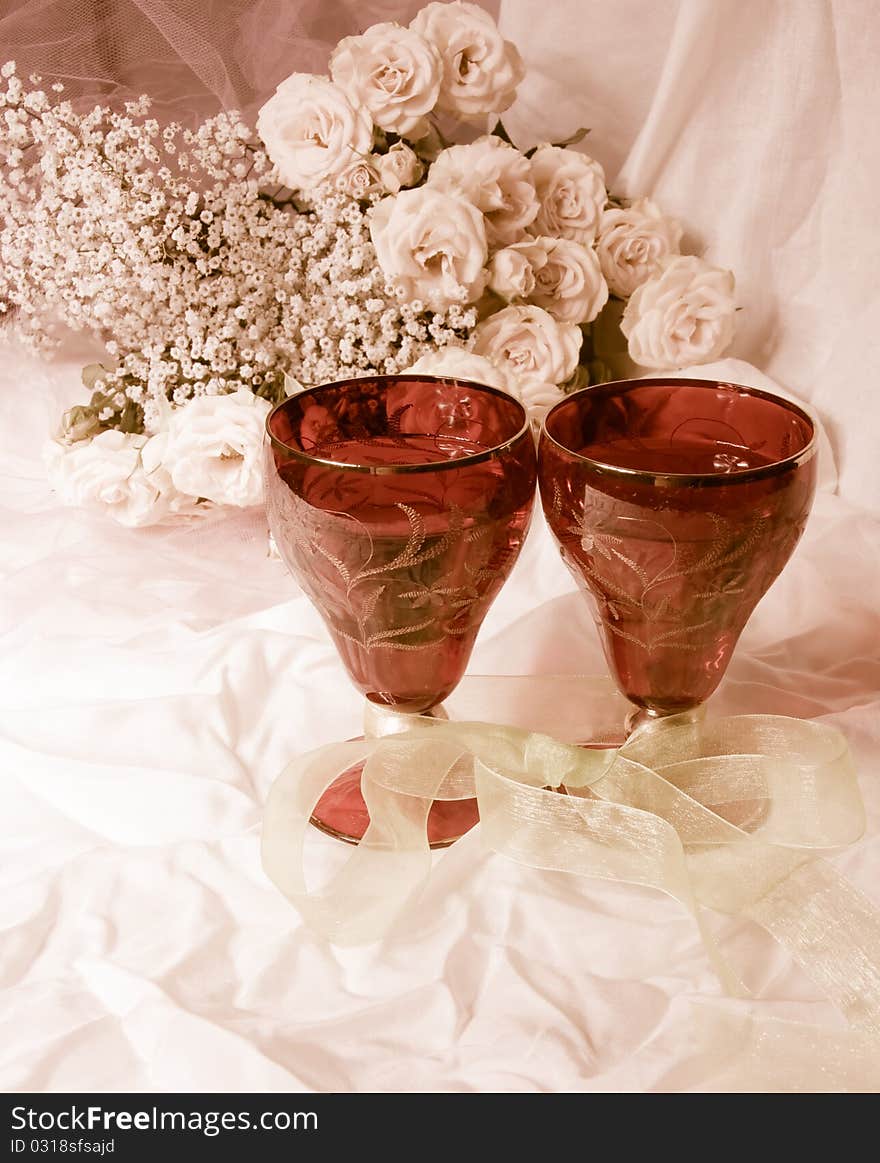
[93, 372]
[382, 140]
[80, 423]
[580, 379]
[273, 389]
[578, 135]
[600, 372]
[132, 418]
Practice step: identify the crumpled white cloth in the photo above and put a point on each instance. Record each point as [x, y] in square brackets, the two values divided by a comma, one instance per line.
[152, 685]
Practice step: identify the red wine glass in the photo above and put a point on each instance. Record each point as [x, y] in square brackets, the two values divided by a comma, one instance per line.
[400, 503]
[676, 503]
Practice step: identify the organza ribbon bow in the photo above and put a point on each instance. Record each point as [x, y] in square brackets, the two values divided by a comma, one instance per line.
[729, 814]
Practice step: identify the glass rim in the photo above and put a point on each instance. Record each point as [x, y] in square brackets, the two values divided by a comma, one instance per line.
[735, 476]
[390, 469]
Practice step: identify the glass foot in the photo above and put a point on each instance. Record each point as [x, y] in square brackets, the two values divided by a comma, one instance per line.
[342, 813]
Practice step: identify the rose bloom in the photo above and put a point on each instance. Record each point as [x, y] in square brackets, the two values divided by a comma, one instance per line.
[512, 270]
[359, 180]
[398, 168]
[631, 243]
[458, 363]
[537, 397]
[529, 342]
[107, 473]
[431, 245]
[496, 178]
[311, 130]
[393, 72]
[571, 191]
[481, 69]
[453, 363]
[569, 283]
[212, 448]
[684, 314]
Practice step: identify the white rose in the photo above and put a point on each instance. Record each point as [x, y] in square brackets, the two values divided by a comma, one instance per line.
[481, 69]
[495, 178]
[631, 243]
[571, 191]
[512, 270]
[683, 315]
[359, 180]
[311, 130]
[107, 473]
[179, 504]
[399, 167]
[569, 283]
[460, 364]
[212, 448]
[537, 397]
[393, 72]
[431, 245]
[529, 342]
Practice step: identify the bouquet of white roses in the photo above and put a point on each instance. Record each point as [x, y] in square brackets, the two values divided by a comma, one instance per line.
[351, 235]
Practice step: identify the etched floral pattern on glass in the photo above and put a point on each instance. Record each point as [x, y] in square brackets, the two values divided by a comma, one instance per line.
[676, 504]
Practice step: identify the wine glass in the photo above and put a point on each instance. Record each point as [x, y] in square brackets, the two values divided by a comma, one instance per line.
[676, 503]
[400, 503]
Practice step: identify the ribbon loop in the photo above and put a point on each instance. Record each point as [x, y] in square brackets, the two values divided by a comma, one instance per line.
[724, 814]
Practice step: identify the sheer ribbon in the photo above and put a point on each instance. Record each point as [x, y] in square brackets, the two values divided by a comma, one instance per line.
[730, 815]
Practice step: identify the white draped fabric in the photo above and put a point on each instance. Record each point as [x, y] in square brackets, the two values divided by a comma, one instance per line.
[755, 124]
[153, 682]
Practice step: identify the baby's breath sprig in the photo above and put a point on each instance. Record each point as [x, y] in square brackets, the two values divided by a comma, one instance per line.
[177, 249]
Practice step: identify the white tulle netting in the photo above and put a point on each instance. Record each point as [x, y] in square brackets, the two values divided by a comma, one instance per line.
[192, 56]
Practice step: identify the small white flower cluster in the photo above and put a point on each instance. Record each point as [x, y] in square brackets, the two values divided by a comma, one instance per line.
[351, 238]
[166, 245]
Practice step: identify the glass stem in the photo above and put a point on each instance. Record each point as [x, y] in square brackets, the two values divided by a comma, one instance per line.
[380, 721]
[641, 717]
